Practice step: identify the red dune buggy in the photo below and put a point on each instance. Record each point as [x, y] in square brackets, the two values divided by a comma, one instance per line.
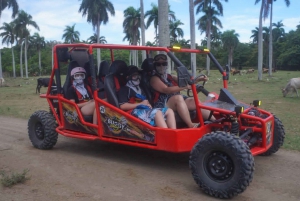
[221, 151]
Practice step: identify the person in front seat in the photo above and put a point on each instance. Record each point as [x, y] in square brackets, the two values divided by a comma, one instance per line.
[167, 92]
[81, 93]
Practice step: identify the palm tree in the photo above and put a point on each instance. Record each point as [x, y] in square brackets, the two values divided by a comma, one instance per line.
[278, 31]
[97, 14]
[193, 37]
[70, 34]
[153, 18]
[175, 30]
[15, 8]
[209, 7]
[93, 39]
[230, 41]
[143, 28]
[39, 43]
[287, 2]
[254, 35]
[22, 22]
[215, 24]
[131, 25]
[163, 26]
[8, 37]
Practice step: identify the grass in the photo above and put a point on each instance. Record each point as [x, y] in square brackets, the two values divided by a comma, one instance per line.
[8, 180]
[20, 99]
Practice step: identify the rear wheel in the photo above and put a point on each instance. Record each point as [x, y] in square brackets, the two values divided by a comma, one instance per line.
[221, 164]
[41, 130]
[278, 137]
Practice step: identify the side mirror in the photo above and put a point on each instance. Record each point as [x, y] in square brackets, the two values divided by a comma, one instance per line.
[184, 76]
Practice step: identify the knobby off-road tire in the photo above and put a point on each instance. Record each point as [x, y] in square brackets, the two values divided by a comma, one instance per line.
[278, 137]
[41, 130]
[221, 164]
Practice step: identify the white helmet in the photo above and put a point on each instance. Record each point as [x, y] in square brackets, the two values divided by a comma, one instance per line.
[77, 70]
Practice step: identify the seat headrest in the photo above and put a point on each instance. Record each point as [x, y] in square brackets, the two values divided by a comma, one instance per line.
[79, 55]
[118, 67]
[147, 65]
[103, 68]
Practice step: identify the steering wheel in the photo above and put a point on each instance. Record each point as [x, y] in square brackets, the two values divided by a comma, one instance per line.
[198, 86]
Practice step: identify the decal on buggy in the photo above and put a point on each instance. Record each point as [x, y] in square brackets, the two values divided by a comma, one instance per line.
[116, 125]
[72, 120]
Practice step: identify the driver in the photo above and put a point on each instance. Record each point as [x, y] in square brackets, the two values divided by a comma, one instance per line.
[167, 92]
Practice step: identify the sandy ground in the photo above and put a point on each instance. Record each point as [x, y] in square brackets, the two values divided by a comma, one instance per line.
[78, 170]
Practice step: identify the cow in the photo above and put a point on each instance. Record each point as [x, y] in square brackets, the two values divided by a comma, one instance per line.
[251, 70]
[236, 72]
[291, 86]
[265, 70]
[43, 82]
[1, 81]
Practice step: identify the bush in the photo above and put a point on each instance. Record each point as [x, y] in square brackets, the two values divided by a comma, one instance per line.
[14, 178]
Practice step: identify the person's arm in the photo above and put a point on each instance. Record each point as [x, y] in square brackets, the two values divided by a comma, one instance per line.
[159, 86]
[131, 106]
[80, 105]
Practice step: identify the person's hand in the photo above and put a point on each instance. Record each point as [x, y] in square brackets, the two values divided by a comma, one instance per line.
[146, 102]
[202, 78]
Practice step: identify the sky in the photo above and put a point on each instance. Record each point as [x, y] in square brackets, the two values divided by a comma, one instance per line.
[52, 17]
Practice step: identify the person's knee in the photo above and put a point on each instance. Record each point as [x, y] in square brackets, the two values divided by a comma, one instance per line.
[170, 112]
[158, 113]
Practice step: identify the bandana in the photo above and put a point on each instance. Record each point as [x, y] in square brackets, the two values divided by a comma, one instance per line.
[79, 85]
[134, 85]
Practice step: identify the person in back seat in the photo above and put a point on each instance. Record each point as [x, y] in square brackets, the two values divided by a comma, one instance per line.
[132, 99]
[167, 92]
[81, 93]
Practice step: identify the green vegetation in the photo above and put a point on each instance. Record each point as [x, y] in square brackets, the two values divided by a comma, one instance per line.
[13, 179]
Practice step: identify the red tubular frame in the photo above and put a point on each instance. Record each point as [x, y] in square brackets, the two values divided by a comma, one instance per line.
[171, 140]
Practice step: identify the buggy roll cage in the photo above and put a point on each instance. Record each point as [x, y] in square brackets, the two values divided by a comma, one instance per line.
[59, 50]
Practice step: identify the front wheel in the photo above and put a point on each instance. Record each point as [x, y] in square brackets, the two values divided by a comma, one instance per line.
[41, 130]
[278, 137]
[221, 164]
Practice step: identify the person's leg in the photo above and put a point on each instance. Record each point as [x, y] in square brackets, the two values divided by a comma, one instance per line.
[178, 104]
[159, 120]
[190, 102]
[88, 109]
[170, 119]
[95, 117]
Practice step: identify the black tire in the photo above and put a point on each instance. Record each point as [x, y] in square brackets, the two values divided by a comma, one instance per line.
[278, 137]
[221, 164]
[41, 130]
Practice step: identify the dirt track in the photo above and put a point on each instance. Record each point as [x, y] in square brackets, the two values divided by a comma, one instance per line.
[92, 170]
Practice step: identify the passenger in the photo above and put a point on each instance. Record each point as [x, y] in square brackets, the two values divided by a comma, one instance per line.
[81, 93]
[167, 92]
[133, 100]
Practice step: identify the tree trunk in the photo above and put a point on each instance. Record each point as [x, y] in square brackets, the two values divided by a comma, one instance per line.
[1, 76]
[21, 62]
[25, 52]
[271, 41]
[260, 44]
[143, 29]
[98, 50]
[13, 61]
[193, 43]
[208, 47]
[40, 63]
[163, 26]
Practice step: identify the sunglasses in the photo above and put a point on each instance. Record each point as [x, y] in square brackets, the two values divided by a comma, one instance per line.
[161, 64]
[159, 57]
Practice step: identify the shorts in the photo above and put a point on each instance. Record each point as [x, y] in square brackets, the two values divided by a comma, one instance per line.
[148, 115]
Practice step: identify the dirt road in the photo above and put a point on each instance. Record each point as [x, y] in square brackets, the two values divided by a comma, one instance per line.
[78, 170]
